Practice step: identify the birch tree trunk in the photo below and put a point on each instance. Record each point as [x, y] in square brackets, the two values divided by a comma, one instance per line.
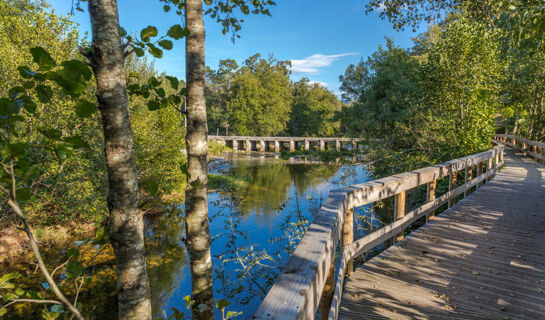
[196, 206]
[126, 219]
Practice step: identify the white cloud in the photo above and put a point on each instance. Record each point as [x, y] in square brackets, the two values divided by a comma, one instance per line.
[320, 83]
[314, 63]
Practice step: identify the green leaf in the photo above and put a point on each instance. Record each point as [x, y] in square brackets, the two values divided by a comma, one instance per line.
[147, 33]
[139, 52]
[222, 304]
[165, 44]
[154, 51]
[44, 93]
[9, 296]
[177, 32]
[73, 252]
[101, 236]
[166, 8]
[74, 269]
[14, 92]
[153, 105]
[85, 109]
[28, 104]
[48, 315]
[7, 107]
[122, 32]
[14, 149]
[42, 58]
[76, 141]
[6, 278]
[63, 151]
[50, 133]
[160, 92]
[153, 82]
[151, 187]
[3, 311]
[23, 194]
[188, 301]
[76, 68]
[174, 82]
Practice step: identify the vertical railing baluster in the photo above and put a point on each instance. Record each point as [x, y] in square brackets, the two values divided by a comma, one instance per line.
[430, 196]
[400, 212]
[451, 186]
[348, 237]
[468, 177]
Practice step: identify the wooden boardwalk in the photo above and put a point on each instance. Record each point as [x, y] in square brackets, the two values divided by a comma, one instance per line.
[482, 259]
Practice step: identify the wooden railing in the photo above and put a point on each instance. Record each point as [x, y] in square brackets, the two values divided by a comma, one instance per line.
[534, 149]
[307, 281]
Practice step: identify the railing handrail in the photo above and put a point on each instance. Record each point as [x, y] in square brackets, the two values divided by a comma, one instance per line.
[256, 138]
[298, 289]
[521, 145]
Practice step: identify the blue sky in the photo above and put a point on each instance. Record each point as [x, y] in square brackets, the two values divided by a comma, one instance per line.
[320, 37]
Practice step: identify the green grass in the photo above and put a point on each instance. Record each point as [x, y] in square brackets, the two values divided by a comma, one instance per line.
[215, 148]
[226, 183]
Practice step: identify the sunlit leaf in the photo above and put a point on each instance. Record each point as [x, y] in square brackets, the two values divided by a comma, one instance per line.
[147, 33]
[42, 58]
[85, 109]
[165, 44]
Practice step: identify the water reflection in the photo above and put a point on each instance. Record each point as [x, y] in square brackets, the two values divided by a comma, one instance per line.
[254, 229]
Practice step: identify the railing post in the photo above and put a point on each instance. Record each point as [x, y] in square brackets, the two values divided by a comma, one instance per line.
[468, 177]
[248, 146]
[489, 167]
[400, 212]
[348, 237]
[451, 186]
[327, 293]
[534, 150]
[479, 172]
[432, 185]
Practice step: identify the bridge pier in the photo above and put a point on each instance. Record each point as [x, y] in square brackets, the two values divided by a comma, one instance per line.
[338, 145]
[248, 146]
[322, 145]
[292, 145]
[276, 146]
[235, 145]
[262, 146]
[307, 145]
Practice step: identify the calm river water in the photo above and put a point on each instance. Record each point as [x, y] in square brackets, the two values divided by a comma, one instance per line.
[254, 228]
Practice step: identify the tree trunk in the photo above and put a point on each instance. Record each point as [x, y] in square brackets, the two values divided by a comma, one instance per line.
[196, 206]
[533, 112]
[126, 219]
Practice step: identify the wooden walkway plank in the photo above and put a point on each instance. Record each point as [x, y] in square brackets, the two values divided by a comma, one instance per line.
[484, 258]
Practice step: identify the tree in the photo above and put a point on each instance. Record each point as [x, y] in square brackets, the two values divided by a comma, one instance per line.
[126, 230]
[386, 95]
[196, 205]
[218, 90]
[261, 98]
[313, 111]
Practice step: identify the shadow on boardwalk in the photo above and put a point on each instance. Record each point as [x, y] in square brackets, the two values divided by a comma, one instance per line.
[482, 259]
